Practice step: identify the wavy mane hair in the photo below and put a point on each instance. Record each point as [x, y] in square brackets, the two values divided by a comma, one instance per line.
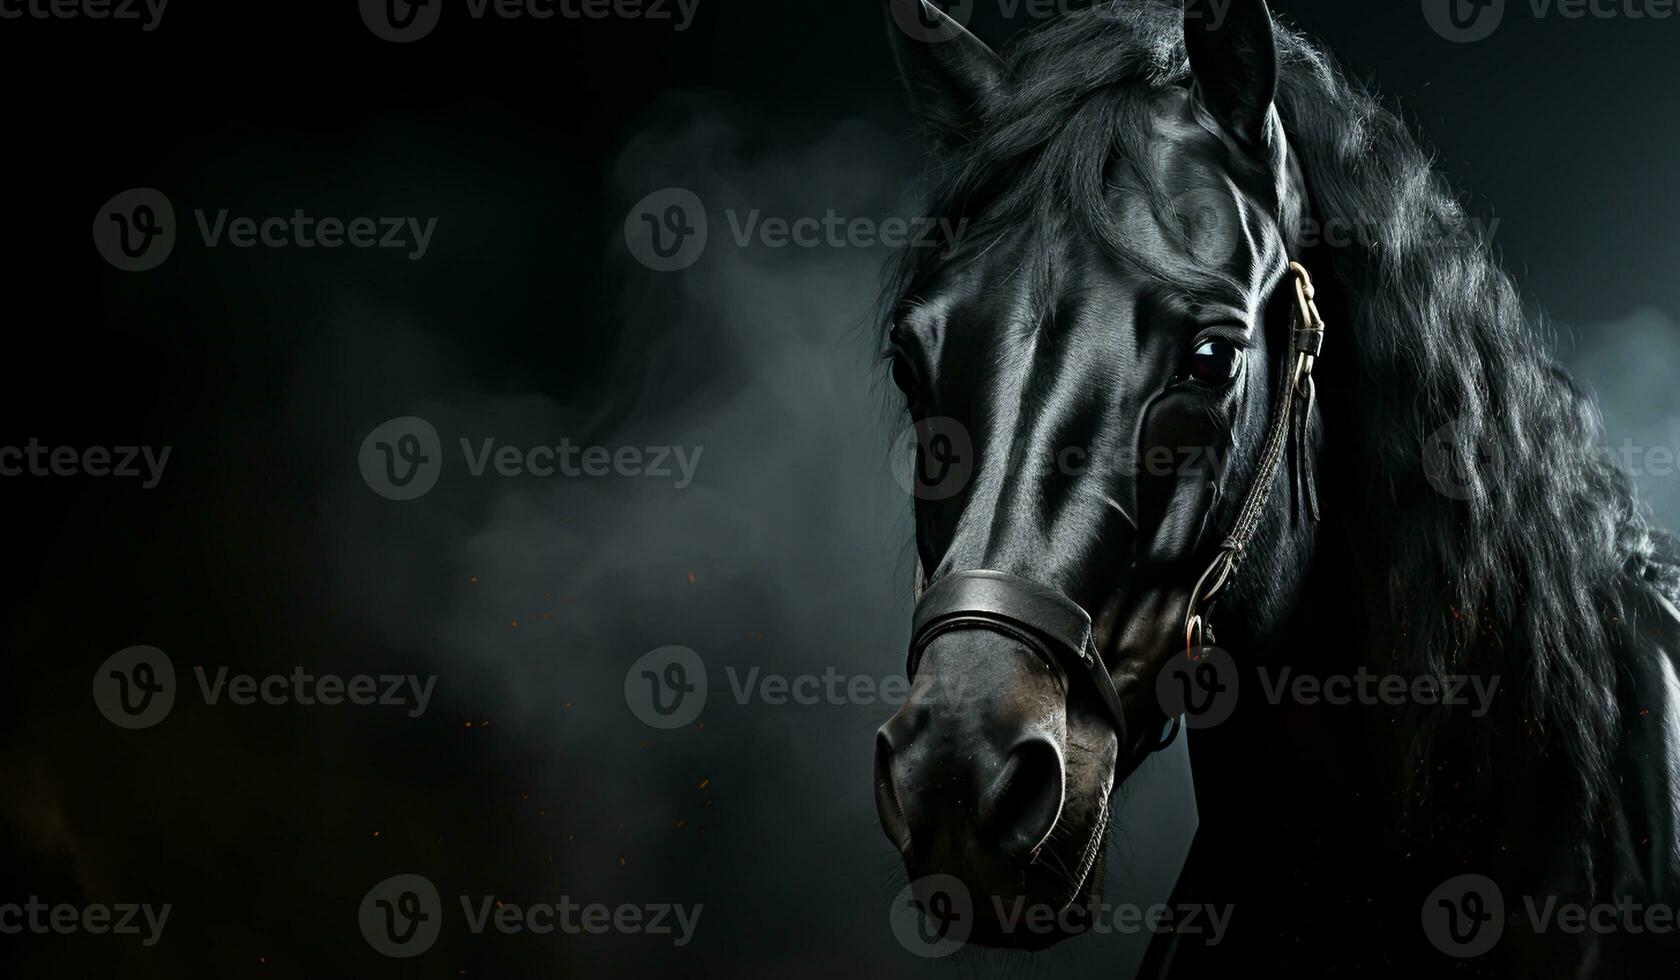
[1534, 568]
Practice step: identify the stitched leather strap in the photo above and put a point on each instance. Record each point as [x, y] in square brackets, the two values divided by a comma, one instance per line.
[1037, 616]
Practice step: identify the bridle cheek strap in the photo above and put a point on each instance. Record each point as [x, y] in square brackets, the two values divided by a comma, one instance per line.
[1040, 618]
[1290, 425]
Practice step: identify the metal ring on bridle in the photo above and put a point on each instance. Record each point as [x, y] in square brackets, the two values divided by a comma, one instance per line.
[1195, 627]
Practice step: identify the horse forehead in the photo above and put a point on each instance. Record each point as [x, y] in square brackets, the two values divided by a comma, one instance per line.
[992, 310]
[998, 305]
[1174, 156]
[1170, 171]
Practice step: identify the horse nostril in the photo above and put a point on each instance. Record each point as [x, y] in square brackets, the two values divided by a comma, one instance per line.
[887, 804]
[1022, 804]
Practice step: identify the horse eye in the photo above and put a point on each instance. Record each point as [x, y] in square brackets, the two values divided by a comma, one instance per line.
[1215, 362]
[903, 375]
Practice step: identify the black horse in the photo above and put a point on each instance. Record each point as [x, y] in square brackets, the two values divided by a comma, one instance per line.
[1163, 436]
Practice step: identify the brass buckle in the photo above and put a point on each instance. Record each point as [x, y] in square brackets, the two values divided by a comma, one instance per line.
[1305, 299]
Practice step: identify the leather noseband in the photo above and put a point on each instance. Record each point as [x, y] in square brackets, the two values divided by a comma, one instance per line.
[1046, 621]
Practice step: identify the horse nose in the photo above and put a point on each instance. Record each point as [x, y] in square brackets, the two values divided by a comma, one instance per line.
[888, 804]
[970, 779]
[1023, 802]
[1018, 803]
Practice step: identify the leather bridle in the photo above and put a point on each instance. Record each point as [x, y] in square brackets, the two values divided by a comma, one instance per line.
[1058, 629]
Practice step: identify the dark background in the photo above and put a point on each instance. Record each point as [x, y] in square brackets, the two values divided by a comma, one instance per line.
[263, 549]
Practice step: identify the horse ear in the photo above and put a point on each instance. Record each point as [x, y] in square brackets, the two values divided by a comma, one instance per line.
[1234, 60]
[951, 75]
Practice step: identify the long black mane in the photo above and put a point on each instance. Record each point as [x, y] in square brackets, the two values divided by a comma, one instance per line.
[1527, 577]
